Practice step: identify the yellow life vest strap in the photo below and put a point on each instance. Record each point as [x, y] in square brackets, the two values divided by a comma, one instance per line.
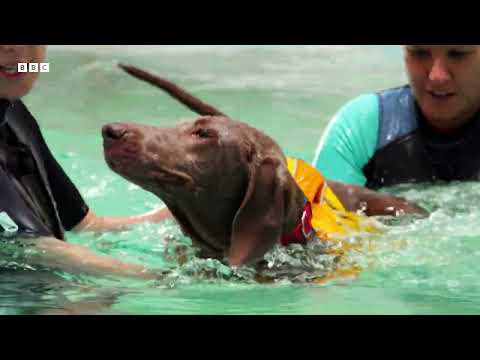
[312, 182]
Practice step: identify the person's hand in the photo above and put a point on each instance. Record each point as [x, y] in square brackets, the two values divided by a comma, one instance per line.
[94, 223]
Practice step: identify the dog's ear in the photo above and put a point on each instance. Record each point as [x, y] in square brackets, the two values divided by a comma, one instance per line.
[258, 223]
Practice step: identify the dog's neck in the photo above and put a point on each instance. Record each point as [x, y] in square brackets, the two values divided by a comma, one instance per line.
[294, 208]
[208, 227]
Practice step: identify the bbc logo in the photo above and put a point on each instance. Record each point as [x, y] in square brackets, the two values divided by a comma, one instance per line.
[33, 67]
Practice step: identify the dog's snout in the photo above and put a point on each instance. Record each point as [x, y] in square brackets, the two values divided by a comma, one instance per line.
[114, 131]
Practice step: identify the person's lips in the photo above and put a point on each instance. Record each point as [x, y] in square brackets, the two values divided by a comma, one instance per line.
[10, 71]
[441, 94]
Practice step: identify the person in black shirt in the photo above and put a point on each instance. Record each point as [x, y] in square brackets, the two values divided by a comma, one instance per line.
[38, 201]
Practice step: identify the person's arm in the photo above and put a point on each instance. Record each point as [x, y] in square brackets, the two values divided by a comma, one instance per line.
[53, 253]
[95, 223]
[74, 213]
[373, 203]
[349, 141]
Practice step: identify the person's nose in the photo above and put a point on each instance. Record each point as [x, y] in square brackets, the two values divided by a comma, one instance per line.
[439, 71]
[12, 50]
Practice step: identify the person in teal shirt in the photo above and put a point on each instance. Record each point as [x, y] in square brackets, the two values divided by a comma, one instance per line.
[425, 131]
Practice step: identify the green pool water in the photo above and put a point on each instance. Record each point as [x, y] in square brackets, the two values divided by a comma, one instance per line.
[418, 266]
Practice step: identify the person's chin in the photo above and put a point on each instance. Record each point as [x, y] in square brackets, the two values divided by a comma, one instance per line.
[15, 94]
[11, 97]
[443, 121]
[445, 109]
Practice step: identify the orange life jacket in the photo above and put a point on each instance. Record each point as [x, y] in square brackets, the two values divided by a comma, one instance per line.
[329, 216]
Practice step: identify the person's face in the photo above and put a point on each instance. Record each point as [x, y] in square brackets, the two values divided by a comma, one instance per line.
[445, 80]
[13, 84]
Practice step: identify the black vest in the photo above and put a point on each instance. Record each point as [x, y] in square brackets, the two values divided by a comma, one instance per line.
[409, 152]
[25, 194]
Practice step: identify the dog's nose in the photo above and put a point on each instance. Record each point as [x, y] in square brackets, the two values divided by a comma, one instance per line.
[113, 131]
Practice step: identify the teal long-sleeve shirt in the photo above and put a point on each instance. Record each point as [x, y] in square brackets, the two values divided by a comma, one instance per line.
[349, 141]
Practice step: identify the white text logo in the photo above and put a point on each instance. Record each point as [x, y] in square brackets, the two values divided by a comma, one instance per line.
[33, 67]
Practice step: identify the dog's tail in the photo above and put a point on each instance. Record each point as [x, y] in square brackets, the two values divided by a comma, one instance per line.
[193, 103]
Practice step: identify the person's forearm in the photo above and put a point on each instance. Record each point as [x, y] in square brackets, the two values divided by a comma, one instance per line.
[373, 203]
[95, 223]
[54, 253]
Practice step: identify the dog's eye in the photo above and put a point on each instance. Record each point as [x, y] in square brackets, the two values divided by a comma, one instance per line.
[202, 133]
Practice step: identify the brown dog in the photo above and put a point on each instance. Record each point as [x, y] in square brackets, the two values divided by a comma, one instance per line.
[225, 182]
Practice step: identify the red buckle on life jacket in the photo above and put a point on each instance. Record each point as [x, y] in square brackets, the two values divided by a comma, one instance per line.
[303, 231]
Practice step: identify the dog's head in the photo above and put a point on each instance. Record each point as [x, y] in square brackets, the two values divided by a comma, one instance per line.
[226, 183]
